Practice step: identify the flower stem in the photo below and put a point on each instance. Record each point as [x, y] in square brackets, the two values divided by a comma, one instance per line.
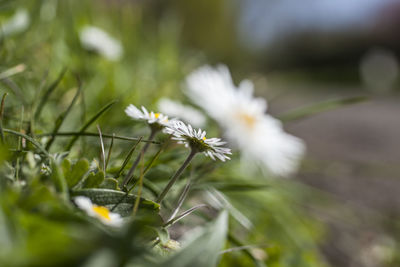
[176, 175]
[129, 175]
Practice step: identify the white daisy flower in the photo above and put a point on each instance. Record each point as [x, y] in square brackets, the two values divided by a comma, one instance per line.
[19, 22]
[93, 38]
[259, 136]
[197, 140]
[99, 212]
[183, 112]
[149, 117]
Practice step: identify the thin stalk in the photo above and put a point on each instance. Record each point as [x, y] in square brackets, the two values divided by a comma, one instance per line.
[128, 157]
[61, 118]
[136, 162]
[139, 193]
[32, 120]
[176, 175]
[142, 182]
[181, 199]
[47, 94]
[1, 117]
[102, 152]
[97, 135]
[87, 124]
[109, 150]
[20, 140]
[30, 139]
[184, 214]
[156, 156]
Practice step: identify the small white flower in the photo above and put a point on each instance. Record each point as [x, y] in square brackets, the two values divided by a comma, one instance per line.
[99, 212]
[150, 117]
[19, 22]
[259, 136]
[197, 140]
[183, 112]
[93, 38]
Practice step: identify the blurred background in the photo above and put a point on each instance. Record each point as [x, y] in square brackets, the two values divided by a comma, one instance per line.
[296, 52]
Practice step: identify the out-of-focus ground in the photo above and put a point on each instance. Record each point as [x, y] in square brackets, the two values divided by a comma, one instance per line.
[354, 158]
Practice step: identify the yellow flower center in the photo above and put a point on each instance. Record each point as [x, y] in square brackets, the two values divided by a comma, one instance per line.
[247, 119]
[204, 138]
[101, 211]
[157, 115]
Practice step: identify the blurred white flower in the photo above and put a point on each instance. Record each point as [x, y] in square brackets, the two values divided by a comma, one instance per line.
[197, 140]
[93, 38]
[99, 212]
[183, 112]
[259, 136]
[150, 117]
[19, 22]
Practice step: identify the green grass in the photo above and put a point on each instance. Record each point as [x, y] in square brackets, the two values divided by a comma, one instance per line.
[63, 92]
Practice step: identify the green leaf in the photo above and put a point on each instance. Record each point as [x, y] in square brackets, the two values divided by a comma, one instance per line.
[66, 166]
[94, 180]
[314, 109]
[204, 246]
[109, 198]
[109, 183]
[57, 175]
[163, 235]
[73, 174]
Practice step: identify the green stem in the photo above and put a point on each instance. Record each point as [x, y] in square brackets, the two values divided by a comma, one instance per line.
[176, 175]
[129, 175]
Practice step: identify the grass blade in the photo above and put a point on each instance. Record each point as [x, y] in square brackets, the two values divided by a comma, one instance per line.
[62, 116]
[128, 157]
[15, 89]
[219, 201]
[139, 193]
[314, 109]
[126, 138]
[156, 155]
[129, 176]
[181, 199]
[12, 71]
[32, 120]
[234, 240]
[109, 150]
[232, 249]
[30, 139]
[48, 92]
[184, 214]
[102, 154]
[19, 147]
[92, 119]
[1, 117]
